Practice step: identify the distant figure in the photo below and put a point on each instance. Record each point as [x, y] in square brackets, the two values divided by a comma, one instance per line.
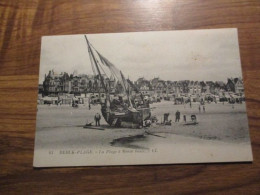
[88, 124]
[154, 119]
[165, 117]
[233, 106]
[204, 109]
[184, 118]
[169, 123]
[74, 105]
[147, 123]
[89, 106]
[97, 119]
[193, 118]
[190, 104]
[177, 116]
[199, 108]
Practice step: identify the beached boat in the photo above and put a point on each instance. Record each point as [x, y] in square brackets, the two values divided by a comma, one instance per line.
[120, 109]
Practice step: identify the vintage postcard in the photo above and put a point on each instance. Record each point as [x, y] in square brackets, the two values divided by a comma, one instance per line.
[141, 98]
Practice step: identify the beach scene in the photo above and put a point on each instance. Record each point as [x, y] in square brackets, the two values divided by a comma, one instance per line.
[220, 122]
[99, 113]
[221, 134]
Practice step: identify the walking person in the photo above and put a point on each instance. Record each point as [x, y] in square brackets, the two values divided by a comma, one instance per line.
[204, 109]
[97, 119]
[199, 108]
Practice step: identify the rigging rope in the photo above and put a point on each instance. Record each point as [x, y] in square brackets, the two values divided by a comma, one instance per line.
[92, 63]
[111, 69]
[102, 69]
[114, 71]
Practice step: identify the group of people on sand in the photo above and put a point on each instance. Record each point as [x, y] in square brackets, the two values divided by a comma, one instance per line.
[203, 107]
[147, 123]
[178, 116]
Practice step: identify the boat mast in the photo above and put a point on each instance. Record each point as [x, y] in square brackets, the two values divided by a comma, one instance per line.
[107, 103]
[95, 62]
[127, 92]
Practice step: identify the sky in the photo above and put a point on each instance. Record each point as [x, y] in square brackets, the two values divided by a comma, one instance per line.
[170, 55]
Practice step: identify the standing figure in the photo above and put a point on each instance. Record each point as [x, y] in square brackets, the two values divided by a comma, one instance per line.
[184, 118]
[199, 108]
[204, 109]
[193, 118]
[165, 117]
[177, 116]
[97, 119]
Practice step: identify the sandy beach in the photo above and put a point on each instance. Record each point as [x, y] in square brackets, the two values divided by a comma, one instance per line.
[218, 122]
[221, 132]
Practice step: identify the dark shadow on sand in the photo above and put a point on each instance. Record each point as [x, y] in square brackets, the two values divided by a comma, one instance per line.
[127, 142]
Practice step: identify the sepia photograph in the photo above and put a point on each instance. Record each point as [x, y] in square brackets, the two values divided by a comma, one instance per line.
[139, 98]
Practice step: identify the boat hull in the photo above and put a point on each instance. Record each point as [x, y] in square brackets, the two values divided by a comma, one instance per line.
[116, 118]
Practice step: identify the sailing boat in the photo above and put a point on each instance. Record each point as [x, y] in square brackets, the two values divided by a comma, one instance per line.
[119, 110]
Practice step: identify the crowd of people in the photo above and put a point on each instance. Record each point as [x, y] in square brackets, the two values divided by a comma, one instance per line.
[178, 115]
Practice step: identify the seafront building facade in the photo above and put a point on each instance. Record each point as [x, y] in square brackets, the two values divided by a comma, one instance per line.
[66, 86]
[55, 84]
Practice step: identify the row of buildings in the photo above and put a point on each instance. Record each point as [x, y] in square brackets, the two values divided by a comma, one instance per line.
[55, 84]
[157, 86]
[63, 83]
